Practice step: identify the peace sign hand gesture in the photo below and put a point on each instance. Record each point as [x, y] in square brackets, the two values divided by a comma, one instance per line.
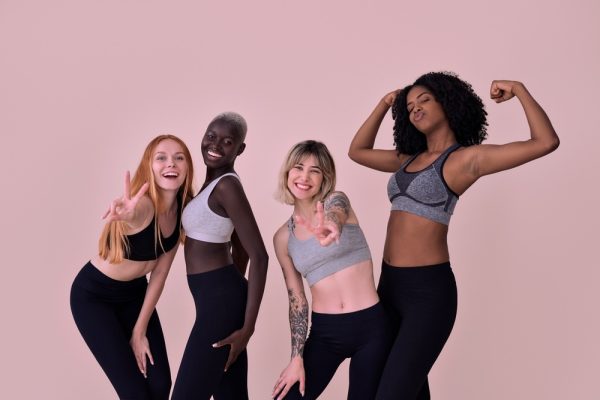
[326, 231]
[123, 208]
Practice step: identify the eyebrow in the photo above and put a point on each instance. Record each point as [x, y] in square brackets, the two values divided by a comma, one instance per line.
[425, 92]
[312, 166]
[164, 152]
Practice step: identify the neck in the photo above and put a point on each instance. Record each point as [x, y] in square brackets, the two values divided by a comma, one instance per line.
[305, 208]
[212, 174]
[440, 139]
[168, 199]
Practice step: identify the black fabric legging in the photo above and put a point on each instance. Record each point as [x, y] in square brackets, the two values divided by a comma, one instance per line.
[363, 336]
[220, 298]
[105, 311]
[421, 305]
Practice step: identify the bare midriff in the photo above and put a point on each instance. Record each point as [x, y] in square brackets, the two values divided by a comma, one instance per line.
[205, 256]
[348, 290]
[127, 270]
[413, 241]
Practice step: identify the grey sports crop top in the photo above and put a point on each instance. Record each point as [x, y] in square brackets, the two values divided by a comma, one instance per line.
[425, 192]
[316, 262]
[201, 223]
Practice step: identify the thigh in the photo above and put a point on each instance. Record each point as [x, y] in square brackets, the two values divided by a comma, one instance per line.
[320, 363]
[104, 334]
[366, 365]
[234, 383]
[422, 334]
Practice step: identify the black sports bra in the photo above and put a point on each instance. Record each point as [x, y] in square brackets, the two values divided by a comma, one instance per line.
[143, 245]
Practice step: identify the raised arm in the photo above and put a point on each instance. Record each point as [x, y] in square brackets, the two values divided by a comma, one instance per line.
[361, 148]
[230, 195]
[298, 314]
[139, 342]
[488, 159]
[133, 209]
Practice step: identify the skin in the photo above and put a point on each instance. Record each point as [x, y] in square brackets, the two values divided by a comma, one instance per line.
[220, 147]
[412, 240]
[348, 290]
[137, 211]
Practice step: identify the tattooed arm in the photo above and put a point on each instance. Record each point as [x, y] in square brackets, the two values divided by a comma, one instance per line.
[337, 209]
[298, 313]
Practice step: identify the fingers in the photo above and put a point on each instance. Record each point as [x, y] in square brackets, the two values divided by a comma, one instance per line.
[127, 193]
[281, 388]
[320, 213]
[233, 355]
[141, 192]
[301, 381]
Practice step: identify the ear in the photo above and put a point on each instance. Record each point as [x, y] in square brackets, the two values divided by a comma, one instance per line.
[241, 149]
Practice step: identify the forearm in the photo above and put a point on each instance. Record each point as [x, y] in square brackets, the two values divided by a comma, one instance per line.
[337, 209]
[364, 139]
[298, 322]
[256, 285]
[540, 126]
[153, 292]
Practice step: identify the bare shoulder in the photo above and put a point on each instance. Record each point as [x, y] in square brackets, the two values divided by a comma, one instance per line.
[281, 236]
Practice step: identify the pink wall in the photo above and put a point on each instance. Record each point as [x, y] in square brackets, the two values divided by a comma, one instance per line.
[84, 85]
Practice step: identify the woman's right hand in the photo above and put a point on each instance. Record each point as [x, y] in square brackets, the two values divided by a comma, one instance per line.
[293, 373]
[123, 208]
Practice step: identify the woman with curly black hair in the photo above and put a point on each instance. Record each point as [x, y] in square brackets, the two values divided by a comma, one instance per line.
[439, 125]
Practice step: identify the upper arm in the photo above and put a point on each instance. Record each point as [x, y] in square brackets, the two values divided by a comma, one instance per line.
[378, 159]
[235, 203]
[490, 158]
[339, 204]
[293, 279]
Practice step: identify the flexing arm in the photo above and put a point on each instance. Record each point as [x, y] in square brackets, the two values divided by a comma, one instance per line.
[361, 148]
[298, 314]
[488, 159]
[230, 195]
[139, 342]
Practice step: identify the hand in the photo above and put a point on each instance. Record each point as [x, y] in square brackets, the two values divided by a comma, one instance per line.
[293, 373]
[503, 90]
[123, 209]
[141, 349]
[391, 97]
[237, 341]
[326, 231]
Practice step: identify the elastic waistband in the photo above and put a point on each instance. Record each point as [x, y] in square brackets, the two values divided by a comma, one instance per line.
[221, 274]
[375, 311]
[440, 266]
[91, 273]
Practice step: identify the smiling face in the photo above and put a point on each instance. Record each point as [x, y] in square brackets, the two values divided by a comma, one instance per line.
[305, 179]
[424, 112]
[221, 145]
[169, 165]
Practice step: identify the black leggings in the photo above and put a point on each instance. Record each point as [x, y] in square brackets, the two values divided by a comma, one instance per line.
[220, 298]
[105, 311]
[363, 336]
[421, 304]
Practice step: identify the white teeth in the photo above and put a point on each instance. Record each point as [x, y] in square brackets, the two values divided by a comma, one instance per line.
[213, 154]
[170, 174]
[301, 186]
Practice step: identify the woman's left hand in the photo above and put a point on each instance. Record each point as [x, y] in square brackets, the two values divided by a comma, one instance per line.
[141, 349]
[237, 341]
[503, 90]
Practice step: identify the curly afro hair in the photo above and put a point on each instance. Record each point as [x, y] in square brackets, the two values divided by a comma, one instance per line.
[463, 108]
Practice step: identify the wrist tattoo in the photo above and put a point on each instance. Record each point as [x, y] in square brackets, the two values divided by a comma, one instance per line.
[298, 322]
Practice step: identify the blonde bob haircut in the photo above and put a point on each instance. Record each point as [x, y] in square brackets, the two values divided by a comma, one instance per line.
[113, 244]
[295, 156]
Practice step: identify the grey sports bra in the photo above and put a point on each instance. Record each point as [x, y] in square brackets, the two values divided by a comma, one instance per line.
[424, 193]
[316, 262]
[201, 223]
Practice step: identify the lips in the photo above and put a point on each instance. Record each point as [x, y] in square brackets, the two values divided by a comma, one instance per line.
[170, 175]
[302, 186]
[418, 116]
[214, 154]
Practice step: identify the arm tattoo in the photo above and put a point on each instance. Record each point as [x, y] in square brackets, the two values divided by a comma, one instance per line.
[298, 322]
[336, 202]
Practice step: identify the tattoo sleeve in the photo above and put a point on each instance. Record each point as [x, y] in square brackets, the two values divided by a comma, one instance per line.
[298, 322]
[335, 204]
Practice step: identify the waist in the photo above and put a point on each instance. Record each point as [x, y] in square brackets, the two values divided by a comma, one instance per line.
[374, 311]
[125, 271]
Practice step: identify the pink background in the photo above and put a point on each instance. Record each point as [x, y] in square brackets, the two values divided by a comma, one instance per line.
[84, 85]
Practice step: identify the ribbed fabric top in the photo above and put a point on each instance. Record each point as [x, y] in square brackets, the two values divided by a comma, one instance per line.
[316, 262]
[201, 223]
[424, 193]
